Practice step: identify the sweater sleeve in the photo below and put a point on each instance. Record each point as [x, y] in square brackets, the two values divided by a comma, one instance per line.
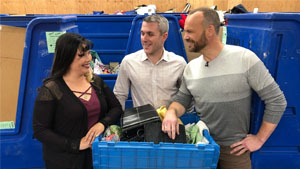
[114, 107]
[42, 123]
[183, 96]
[266, 87]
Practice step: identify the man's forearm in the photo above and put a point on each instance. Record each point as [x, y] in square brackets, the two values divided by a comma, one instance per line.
[265, 131]
[177, 108]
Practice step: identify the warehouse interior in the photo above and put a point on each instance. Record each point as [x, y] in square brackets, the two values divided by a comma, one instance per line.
[19, 42]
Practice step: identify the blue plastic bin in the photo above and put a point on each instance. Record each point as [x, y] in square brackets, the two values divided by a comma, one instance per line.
[275, 38]
[19, 21]
[18, 147]
[147, 155]
[22, 21]
[109, 33]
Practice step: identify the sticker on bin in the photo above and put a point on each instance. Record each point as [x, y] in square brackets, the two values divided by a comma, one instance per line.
[51, 38]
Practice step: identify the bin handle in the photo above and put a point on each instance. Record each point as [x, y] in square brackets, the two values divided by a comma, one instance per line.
[207, 136]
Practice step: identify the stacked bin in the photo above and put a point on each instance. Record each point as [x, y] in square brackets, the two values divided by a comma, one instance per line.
[275, 38]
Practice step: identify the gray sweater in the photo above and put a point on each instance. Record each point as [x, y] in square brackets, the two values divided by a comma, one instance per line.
[222, 92]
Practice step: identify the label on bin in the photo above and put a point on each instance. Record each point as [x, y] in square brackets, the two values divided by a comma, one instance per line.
[51, 38]
[224, 36]
[7, 125]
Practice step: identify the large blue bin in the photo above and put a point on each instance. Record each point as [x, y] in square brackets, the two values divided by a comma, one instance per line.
[146, 155]
[275, 38]
[109, 34]
[18, 147]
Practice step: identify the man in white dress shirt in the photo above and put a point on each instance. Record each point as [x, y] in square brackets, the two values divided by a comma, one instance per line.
[152, 73]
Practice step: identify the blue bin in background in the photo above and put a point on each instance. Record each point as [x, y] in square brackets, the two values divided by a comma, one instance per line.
[145, 155]
[274, 37]
[18, 21]
[110, 34]
[18, 147]
[22, 20]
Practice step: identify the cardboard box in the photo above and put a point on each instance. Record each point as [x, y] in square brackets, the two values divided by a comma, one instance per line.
[11, 56]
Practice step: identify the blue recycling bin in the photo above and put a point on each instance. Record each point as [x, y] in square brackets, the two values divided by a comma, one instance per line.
[145, 155]
[275, 38]
[18, 147]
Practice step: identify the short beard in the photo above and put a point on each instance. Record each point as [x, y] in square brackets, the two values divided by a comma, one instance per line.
[198, 46]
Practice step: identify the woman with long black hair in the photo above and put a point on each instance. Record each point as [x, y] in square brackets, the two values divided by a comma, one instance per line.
[72, 107]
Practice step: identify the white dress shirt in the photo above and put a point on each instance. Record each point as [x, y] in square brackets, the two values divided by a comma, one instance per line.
[150, 83]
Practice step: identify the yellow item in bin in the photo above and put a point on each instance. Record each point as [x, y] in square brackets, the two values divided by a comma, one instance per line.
[162, 113]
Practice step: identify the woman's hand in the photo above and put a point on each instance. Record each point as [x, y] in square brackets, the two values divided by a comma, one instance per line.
[94, 132]
[84, 144]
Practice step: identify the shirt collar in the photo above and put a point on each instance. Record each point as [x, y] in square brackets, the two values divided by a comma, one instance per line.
[165, 56]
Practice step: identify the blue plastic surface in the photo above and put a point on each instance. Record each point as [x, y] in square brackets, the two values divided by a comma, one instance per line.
[109, 34]
[189, 118]
[18, 147]
[274, 37]
[19, 21]
[276, 157]
[173, 43]
[145, 155]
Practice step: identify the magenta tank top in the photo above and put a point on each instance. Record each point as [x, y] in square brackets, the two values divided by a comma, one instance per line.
[93, 107]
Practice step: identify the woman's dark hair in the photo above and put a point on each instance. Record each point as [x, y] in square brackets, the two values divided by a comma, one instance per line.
[65, 51]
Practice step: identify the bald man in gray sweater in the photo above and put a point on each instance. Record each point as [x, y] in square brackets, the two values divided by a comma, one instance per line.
[221, 81]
